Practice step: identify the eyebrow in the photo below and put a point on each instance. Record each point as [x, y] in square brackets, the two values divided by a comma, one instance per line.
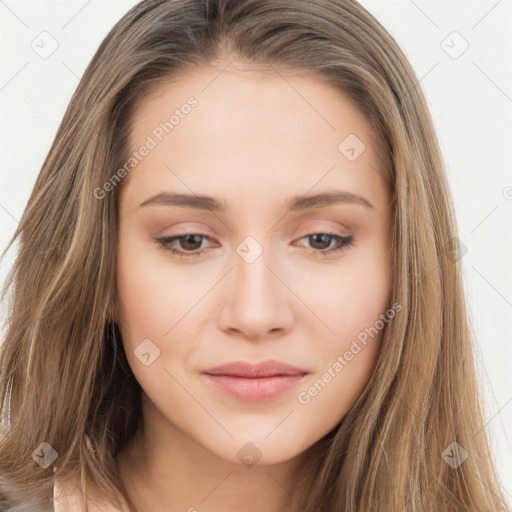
[296, 203]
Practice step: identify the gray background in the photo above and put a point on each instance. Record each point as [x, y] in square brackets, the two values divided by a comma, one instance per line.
[469, 94]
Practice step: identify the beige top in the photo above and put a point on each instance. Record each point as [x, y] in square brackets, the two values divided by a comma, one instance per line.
[66, 498]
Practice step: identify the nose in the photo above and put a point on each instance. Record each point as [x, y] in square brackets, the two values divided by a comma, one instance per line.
[258, 303]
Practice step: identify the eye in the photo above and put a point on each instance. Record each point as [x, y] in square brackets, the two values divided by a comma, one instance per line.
[325, 240]
[191, 243]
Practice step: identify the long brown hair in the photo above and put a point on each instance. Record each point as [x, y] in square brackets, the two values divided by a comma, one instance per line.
[64, 377]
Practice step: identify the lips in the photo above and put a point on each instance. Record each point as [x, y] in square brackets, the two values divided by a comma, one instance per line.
[267, 368]
[254, 383]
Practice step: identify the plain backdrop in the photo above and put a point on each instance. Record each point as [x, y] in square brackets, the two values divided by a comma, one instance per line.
[461, 52]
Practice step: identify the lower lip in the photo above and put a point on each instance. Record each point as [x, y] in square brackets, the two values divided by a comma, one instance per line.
[255, 389]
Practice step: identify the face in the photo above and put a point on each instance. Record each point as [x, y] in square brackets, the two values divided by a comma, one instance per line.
[259, 271]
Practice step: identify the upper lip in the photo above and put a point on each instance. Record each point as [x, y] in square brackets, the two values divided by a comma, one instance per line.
[263, 369]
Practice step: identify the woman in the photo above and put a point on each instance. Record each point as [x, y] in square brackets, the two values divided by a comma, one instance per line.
[312, 342]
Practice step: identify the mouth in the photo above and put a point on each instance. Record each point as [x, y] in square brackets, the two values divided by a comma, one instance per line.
[253, 383]
[254, 389]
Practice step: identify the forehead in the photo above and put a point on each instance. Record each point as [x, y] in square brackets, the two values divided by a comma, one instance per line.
[250, 132]
[234, 97]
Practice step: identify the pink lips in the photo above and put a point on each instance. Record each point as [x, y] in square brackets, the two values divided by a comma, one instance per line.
[255, 382]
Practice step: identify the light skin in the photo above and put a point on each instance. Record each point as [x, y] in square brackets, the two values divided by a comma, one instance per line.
[254, 141]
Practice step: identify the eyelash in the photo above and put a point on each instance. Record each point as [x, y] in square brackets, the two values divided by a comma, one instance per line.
[344, 241]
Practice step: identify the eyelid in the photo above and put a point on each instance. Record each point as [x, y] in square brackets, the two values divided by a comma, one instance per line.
[325, 228]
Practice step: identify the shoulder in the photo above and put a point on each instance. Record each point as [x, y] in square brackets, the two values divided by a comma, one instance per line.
[67, 497]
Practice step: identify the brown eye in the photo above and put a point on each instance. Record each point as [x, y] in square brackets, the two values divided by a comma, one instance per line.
[189, 244]
[320, 242]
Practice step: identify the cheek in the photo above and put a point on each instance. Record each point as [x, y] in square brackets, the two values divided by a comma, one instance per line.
[353, 302]
[158, 301]
[329, 395]
[152, 295]
[149, 308]
[350, 295]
